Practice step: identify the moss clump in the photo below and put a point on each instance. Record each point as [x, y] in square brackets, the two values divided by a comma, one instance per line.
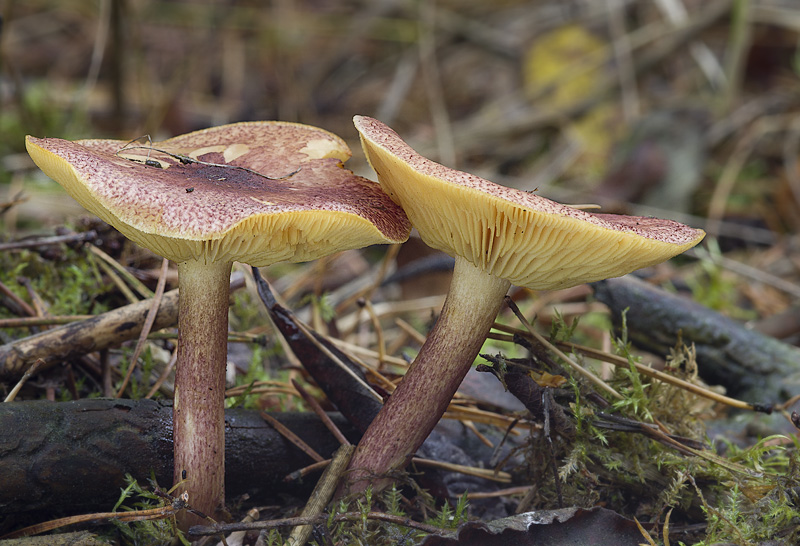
[647, 455]
[65, 279]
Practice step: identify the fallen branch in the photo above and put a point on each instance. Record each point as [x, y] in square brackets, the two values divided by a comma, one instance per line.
[87, 336]
[751, 366]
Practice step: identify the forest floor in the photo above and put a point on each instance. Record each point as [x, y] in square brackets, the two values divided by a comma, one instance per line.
[688, 110]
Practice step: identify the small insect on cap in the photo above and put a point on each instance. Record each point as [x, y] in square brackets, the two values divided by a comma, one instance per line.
[255, 192]
[524, 238]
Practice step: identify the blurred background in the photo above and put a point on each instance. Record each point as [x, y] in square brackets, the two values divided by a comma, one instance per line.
[687, 106]
[685, 109]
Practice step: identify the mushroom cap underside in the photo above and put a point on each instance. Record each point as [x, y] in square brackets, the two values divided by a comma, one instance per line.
[256, 192]
[512, 234]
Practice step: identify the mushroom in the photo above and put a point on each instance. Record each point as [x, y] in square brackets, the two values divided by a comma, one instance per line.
[254, 192]
[498, 236]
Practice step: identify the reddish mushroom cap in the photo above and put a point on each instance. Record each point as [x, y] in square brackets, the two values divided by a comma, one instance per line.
[228, 193]
[512, 234]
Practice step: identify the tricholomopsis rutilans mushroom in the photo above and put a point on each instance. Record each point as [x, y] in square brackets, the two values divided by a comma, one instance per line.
[258, 193]
[498, 236]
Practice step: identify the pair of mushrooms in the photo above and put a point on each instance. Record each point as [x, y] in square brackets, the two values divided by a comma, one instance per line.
[267, 192]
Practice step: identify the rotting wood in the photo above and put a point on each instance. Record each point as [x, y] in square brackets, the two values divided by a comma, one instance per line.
[751, 366]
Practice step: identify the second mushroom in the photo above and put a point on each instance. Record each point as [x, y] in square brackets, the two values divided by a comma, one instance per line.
[499, 236]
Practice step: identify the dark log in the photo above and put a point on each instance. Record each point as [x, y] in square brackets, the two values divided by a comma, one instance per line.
[73, 456]
[751, 366]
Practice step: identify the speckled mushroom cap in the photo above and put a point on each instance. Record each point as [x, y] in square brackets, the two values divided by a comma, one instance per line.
[228, 193]
[524, 238]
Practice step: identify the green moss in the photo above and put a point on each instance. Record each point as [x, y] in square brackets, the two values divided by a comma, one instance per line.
[68, 284]
[321, 305]
[714, 288]
[246, 313]
[139, 384]
[744, 495]
[259, 371]
[151, 531]
[366, 531]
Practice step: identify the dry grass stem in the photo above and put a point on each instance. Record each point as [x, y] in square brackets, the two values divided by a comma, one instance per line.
[497, 476]
[292, 437]
[592, 378]
[311, 401]
[410, 330]
[149, 320]
[122, 272]
[622, 362]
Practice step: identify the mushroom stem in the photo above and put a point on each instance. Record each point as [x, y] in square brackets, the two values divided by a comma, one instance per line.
[412, 411]
[199, 406]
